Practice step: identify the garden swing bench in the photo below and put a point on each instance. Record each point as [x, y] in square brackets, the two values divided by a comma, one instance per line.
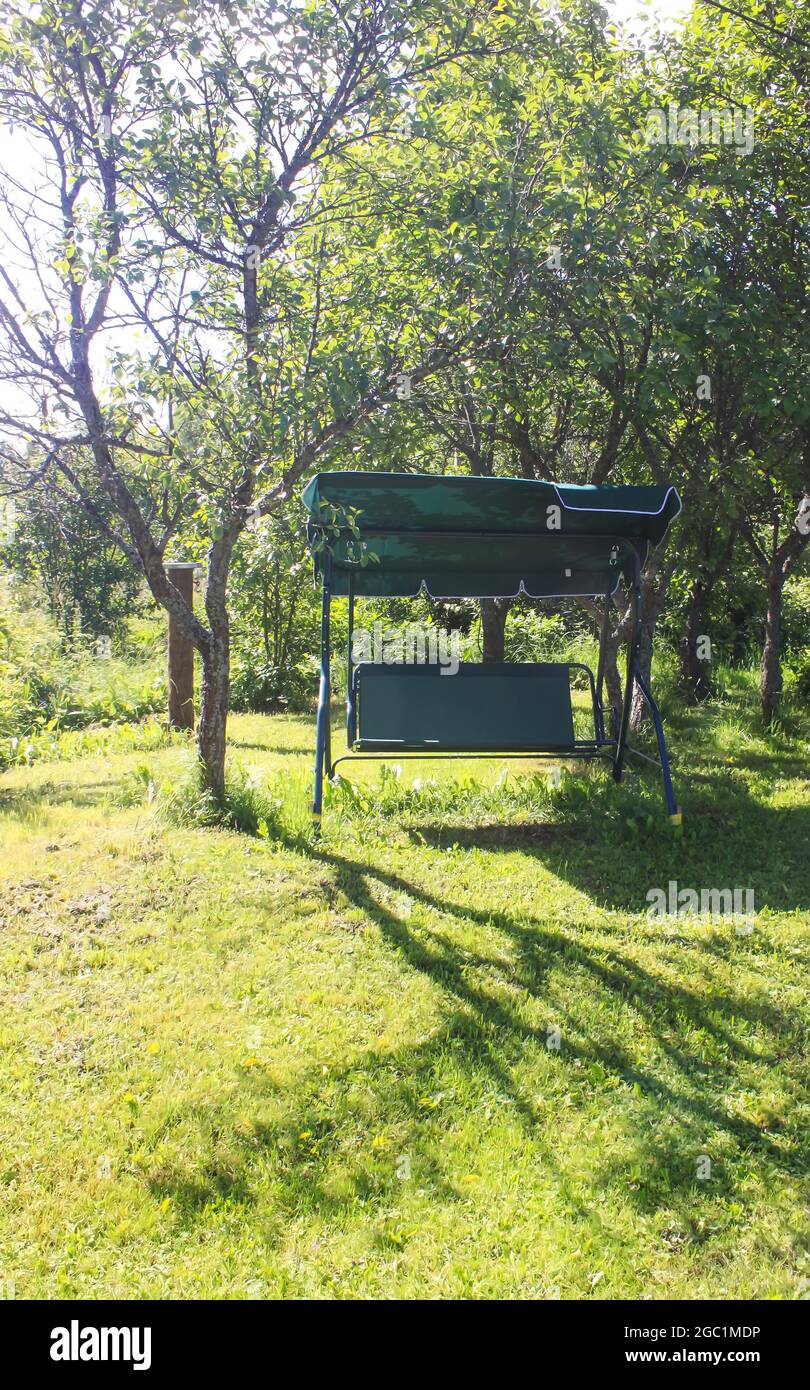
[394, 535]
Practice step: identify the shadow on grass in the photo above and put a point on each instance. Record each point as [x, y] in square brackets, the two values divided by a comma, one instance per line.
[281, 752]
[25, 801]
[680, 1104]
[620, 847]
[510, 836]
[312, 1160]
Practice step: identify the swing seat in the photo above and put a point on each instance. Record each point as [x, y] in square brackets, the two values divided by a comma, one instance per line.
[453, 537]
[481, 708]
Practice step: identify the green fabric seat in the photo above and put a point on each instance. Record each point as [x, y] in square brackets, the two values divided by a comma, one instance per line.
[481, 708]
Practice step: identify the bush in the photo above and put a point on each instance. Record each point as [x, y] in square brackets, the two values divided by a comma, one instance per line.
[257, 687]
[533, 636]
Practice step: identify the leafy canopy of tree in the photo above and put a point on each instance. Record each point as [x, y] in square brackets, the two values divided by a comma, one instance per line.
[242, 222]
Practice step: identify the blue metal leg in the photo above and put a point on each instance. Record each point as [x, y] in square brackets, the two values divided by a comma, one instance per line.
[351, 705]
[322, 742]
[672, 807]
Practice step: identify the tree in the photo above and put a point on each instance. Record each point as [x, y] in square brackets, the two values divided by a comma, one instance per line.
[759, 238]
[171, 171]
[88, 585]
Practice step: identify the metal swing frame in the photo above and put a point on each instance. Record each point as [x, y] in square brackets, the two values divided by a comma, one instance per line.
[614, 749]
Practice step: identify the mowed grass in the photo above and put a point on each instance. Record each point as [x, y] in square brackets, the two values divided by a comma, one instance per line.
[249, 1068]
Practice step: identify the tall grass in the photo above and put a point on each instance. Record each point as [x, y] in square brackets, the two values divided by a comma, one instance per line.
[274, 809]
[47, 688]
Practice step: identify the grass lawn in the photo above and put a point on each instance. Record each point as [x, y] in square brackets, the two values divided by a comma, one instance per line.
[242, 1068]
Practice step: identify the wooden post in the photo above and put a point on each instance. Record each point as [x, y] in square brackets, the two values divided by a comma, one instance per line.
[181, 652]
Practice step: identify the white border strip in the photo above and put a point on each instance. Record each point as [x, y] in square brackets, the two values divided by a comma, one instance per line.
[621, 511]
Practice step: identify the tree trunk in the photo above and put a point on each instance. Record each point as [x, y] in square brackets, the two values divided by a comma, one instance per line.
[611, 692]
[648, 615]
[613, 681]
[212, 726]
[493, 625]
[216, 664]
[694, 670]
[654, 588]
[181, 654]
[770, 671]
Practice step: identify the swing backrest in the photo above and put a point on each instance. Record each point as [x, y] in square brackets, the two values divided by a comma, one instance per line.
[489, 706]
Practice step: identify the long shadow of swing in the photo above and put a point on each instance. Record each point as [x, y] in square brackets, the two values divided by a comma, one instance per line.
[732, 840]
[658, 1006]
[488, 1040]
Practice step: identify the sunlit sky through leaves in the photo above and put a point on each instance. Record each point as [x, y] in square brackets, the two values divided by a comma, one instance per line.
[19, 157]
[667, 11]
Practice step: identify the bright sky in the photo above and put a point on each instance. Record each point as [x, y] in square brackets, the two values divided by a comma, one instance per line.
[668, 11]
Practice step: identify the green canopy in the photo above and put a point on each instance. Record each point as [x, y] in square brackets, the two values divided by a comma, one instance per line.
[470, 537]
